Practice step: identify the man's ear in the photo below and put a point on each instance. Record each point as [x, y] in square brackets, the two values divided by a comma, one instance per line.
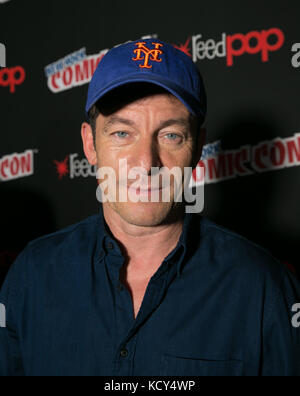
[198, 149]
[88, 143]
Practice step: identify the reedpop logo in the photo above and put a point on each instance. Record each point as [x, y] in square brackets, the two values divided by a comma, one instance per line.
[10, 77]
[166, 185]
[234, 46]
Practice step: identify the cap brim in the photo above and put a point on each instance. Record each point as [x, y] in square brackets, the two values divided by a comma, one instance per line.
[185, 97]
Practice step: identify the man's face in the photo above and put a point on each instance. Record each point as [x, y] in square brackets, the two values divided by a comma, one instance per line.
[155, 131]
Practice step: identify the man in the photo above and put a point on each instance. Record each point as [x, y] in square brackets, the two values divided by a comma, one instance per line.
[145, 288]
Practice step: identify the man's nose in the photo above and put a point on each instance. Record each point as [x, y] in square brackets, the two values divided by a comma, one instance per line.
[147, 155]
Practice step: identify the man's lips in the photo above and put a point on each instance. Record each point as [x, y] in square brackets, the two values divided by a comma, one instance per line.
[144, 190]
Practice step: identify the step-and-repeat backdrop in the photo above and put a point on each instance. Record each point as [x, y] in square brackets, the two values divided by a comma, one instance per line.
[249, 55]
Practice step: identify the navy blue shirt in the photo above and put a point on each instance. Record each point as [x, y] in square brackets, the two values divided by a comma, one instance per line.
[218, 305]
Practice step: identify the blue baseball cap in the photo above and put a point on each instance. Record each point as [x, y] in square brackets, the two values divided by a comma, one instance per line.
[151, 61]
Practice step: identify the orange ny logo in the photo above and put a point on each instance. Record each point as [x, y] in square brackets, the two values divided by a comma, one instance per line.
[145, 54]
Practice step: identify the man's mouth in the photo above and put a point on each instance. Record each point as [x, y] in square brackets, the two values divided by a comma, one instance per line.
[144, 191]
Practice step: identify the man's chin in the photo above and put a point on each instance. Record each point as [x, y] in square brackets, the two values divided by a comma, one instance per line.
[143, 214]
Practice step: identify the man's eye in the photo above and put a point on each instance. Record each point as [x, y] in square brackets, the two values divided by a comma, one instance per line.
[172, 136]
[121, 135]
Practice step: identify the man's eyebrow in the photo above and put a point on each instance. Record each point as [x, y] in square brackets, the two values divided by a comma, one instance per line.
[174, 121]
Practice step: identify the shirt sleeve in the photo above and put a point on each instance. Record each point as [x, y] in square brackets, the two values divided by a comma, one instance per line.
[281, 336]
[10, 294]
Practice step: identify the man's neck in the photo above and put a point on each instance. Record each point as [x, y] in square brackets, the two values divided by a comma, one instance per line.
[145, 246]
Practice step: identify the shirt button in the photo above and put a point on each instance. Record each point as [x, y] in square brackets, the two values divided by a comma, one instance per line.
[124, 353]
[110, 246]
[120, 288]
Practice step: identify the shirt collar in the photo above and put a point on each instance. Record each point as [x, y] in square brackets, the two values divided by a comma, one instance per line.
[186, 239]
[108, 244]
